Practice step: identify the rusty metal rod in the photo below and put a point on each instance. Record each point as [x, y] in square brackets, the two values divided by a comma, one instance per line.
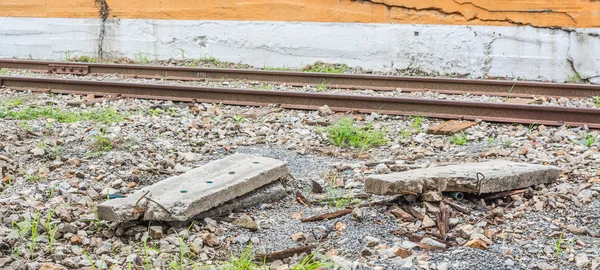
[356, 81]
[493, 112]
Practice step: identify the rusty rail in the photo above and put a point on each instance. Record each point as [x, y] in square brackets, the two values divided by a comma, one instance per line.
[493, 112]
[349, 81]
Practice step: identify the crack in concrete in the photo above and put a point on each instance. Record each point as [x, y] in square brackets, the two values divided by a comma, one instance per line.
[103, 12]
[517, 11]
[475, 17]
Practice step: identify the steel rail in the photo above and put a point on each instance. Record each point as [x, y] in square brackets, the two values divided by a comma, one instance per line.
[493, 112]
[352, 81]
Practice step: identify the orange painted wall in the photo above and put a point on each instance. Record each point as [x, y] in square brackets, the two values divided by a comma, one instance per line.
[542, 13]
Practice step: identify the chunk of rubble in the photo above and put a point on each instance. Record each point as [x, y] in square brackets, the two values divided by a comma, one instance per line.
[485, 177]
[203, 189]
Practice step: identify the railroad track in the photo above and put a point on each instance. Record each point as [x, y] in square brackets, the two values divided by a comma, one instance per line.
[493, 112]
[344, 81]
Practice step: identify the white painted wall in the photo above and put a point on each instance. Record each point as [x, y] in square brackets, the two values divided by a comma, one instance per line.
[481, 51]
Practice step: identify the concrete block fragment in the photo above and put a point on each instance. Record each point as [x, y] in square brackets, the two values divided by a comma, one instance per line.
[495, 176]
[182, 197]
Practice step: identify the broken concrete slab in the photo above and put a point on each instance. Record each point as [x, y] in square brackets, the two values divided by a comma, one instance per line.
[486, 177]
[450, 127]
[182, 197]
[267, 193]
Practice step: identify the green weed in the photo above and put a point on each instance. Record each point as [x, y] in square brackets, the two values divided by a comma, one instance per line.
[156, 111]
[277, 68]
[575, 78]
[141, 58]
[243, 262]
[106, 116]
[239, 118]
[267, 87]
[3, 71]
[87, 59]
[51, 229]
[597, 101]
[11, 103]
[559, 245]
[416, 122]
[102, 263]
[25, 126]
[589, 139]
[346, 133]
[310, 263]
[33, 178]
[531, 128]
[405, 134]
[182, 54]
[101, 143]
[67, 56]
[326, 68]
[181, 261]
[146, 249]
[459, 139]
[34, 232]
[51, 152]
[322, 86]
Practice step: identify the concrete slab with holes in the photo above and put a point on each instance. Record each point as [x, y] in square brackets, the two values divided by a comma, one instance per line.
[485, 177]
[182, 197]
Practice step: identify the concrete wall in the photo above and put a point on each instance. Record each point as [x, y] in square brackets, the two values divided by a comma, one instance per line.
[484, 38]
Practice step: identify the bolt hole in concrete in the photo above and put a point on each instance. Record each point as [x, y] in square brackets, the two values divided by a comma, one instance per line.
[231, 172]
[209, 182]
[183, 191]
[256, 162]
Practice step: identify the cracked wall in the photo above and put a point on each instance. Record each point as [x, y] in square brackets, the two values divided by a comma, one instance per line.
[532, 39]
[537, 13]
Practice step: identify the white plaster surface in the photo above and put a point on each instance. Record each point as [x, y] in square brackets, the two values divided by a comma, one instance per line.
[492, 51]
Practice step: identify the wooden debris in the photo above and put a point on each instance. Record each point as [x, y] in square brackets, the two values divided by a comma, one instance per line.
[458, 207]
[348, 211]
[522, 101]
[331, 215]
[301, 199]
[282, 254]
[503, 194]
[415, 213]
[443, 219]
[450, 127]
[403, 215]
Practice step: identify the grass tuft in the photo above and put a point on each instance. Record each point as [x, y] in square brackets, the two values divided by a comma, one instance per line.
[86, 59]
[310, 263]
[459, 139]
[345, 133]
[141, 58]
[101, 143]
[597, 101]
[589, 139]
[106, 116]
[243, 262]
[326, 68]
[416, 123]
